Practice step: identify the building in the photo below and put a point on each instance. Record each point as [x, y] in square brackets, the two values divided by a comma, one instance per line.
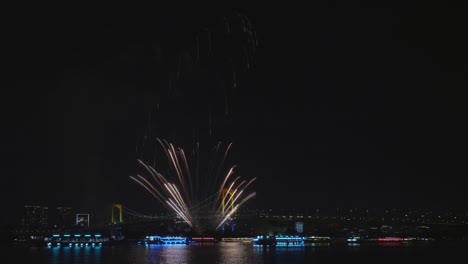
[34, 218]
[299, 227]
[64, 218]
[82, 220]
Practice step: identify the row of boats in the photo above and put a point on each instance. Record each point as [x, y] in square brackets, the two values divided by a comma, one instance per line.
[91, 240]
[278, 240]
[318, 240]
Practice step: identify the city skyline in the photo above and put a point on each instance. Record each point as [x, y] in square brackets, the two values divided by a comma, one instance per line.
[37, 218]
[324, 108]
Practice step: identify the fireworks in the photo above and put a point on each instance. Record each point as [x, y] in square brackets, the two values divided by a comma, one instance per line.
[205, 202]
[202, 75]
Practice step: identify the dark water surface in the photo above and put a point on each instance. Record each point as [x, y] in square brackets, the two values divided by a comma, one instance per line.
[240, 253]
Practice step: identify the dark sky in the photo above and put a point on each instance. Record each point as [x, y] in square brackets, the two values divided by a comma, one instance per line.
[343, 105]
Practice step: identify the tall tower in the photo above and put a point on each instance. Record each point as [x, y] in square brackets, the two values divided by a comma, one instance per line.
[64, 218]
[226, 197]
[120, 219]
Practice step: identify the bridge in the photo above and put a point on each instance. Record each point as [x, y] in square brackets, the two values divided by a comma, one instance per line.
[124, 215]
[124, 220]
[121, 215]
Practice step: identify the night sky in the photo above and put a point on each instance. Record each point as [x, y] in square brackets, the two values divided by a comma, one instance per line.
[343, 105]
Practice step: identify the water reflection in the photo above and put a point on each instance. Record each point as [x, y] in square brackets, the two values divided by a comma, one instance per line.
[237, 253]
[233, 253]
[168, 254]
[75, 255]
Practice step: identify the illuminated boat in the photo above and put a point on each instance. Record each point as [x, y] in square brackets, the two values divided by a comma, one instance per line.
[279, 240]
[165, 240]
[389, 239]
[317, 239]
[417, 239]
[289, 241]
[203, 239]
[76, 240]
[237, 239]
[264, 240]
[354, 239]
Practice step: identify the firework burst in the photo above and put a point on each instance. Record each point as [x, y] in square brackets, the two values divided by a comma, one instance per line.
[204, 202]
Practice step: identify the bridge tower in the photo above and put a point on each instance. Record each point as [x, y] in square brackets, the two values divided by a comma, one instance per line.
[224, 197]
[120, 219]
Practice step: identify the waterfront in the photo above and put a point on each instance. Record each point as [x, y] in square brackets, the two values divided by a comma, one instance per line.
[442, 252]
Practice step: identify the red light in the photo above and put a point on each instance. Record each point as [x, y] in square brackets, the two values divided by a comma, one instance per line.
[389, 239]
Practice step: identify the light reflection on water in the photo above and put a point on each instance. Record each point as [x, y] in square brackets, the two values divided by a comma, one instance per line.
[234, 253]
[67, 254]
[206, 253]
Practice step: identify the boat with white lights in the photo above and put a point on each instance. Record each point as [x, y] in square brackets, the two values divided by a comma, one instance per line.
[387, 240]
[317, 239]
[237, 239]
[279, 240]
[355, 239]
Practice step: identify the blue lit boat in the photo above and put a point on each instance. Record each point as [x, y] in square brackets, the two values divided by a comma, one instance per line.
[264, 240]
[289, 241]
[76, 240]
[165, 240]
